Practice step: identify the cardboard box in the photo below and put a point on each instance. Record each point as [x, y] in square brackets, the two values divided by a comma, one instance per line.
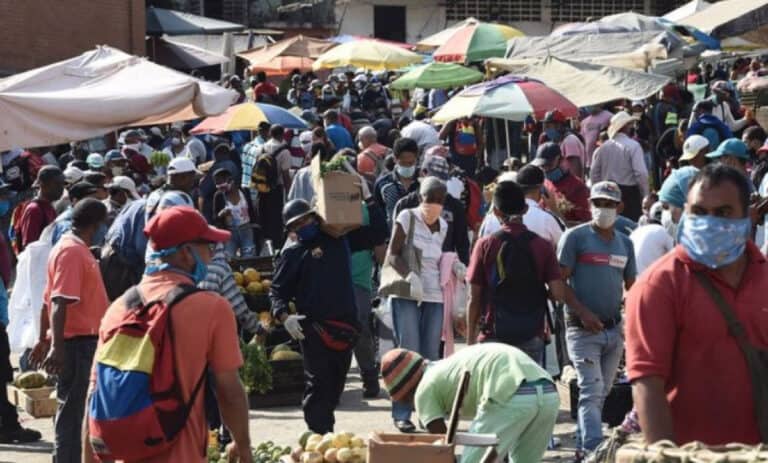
[338, 199]
[40, 402]
[408, 448]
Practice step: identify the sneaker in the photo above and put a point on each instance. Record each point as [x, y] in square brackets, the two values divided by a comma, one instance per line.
[19, 436]
[405, 426]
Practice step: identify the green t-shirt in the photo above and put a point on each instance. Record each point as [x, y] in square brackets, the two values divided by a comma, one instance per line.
[362, 262]
[496, 370]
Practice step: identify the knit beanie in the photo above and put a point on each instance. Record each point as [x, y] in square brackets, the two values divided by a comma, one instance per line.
[402, 370]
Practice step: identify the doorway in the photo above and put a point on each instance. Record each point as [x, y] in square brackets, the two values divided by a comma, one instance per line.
[389, 23]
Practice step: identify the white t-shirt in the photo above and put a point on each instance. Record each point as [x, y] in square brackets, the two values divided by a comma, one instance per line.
[422, 133]
[536, 220]
[431, 246]
[240, 214]
[650, 242]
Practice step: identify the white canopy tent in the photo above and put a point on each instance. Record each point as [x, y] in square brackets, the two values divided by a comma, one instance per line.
[689, 9]
[97, 92]
[747, 19]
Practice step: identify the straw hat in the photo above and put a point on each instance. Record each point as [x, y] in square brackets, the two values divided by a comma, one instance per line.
[618, 122]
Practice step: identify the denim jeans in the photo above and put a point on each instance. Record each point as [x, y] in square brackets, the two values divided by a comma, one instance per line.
[71, 390]
[596, 358]
[241, 240]
[417, 328]
[365, 351]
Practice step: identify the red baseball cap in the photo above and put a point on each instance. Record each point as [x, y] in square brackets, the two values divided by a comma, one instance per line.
[181, 224]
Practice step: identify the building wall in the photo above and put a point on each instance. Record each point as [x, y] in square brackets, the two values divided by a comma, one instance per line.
[34, 33]
[423, 17]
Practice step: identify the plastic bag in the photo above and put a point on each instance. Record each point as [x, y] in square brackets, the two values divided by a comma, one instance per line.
[460, 296]
[26, 299]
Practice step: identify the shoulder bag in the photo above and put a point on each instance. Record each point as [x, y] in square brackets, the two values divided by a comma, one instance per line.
[392, 283]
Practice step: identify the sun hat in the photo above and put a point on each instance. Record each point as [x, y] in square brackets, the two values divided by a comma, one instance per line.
[618, 122]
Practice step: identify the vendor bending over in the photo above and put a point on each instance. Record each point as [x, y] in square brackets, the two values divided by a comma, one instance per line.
[509, 395]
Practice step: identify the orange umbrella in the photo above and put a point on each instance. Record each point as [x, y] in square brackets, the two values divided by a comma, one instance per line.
[282, 65]
[282, 57]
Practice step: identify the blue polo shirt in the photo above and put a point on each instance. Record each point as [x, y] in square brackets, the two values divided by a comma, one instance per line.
[340, 137]
[599, 268]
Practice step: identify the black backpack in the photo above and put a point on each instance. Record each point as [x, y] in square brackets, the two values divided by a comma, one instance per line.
[265, 172]
[519, 299]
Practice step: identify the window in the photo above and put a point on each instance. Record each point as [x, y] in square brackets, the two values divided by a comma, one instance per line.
[581, 10]
[502, 11]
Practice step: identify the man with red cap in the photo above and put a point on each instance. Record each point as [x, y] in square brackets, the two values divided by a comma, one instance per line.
[204, 327]
[509, 396]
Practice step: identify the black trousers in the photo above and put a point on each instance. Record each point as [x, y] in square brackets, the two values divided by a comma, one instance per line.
[633, 201]
[9, 418]
[325, 374]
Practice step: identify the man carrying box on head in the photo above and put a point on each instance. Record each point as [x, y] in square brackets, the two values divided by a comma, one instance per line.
[509, 395]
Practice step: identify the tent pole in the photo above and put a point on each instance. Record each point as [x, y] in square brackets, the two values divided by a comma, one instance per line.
[495, 137]
[506, 133]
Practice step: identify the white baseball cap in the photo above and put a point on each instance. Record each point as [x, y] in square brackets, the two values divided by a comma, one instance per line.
[73, 175]
[125, 183]
[182, 165]
[693, 146]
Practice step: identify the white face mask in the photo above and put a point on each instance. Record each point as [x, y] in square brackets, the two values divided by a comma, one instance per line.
[604, 217]
[668, 222]
[135, 146]
[117, 170]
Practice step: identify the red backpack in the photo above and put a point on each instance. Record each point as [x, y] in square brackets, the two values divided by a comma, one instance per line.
[137, 409]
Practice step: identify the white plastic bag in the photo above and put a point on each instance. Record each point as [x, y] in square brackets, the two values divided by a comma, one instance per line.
[26, 299]
[460, 296]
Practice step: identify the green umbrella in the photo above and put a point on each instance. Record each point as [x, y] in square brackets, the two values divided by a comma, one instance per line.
[437, 75]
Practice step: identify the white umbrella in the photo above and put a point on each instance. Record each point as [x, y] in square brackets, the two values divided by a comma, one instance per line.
[95, 93]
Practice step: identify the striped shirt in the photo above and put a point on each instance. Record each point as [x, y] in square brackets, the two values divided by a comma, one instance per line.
[219, 279]
[250, 152]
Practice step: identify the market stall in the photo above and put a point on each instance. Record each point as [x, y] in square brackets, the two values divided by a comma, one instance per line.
[286, 55]
[373, 55]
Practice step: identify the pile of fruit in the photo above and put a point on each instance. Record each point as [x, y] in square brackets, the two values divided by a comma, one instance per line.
[250, 281]
[284, 352]
[342, 447]
[268, 452]
[159, 159]
[31, 380]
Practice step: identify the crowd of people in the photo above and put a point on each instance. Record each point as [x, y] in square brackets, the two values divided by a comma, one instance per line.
[622, 242]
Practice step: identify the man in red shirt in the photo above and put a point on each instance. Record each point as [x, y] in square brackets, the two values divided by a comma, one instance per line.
[690, 378]
[264, 91]
[39, 212]
[75, 300]
[570, 193]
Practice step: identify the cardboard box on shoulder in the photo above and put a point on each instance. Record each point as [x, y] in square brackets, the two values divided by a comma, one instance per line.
[338, 199]
[409, 448]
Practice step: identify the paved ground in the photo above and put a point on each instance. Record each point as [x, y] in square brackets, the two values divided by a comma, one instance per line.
[284, 425]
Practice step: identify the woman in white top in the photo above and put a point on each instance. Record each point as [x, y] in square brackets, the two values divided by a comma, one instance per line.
[233, 211]
[418, 320]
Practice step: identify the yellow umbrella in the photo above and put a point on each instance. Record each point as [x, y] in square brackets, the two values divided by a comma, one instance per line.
[368, 54]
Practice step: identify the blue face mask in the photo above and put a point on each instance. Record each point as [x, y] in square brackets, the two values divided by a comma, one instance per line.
[405, 172]
[200, 271]
[555, 175]
[101, 233]
[553, 135]
[308, 232]
[713, 241]
[5, 206]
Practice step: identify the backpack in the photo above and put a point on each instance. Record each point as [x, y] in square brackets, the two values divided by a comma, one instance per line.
[464, 139]
[519, 299]
[265, 172]
[14, 230]
[137, 409]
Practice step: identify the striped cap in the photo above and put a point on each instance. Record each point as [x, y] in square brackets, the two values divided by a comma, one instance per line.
[402, 370]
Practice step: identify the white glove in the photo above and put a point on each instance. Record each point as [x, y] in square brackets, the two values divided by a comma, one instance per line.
[293, 327]
[417, 291]
[460, 270]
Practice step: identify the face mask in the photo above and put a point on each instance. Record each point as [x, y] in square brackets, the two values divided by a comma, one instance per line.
[604, 217]
[5, 206]
[553, 134]
[200, 271]
[98, 237]
[135, 146]
[637, 114]
[714, 241]
[308, 232]
[224, 187]
[405, 172]
[117, 170]
[431, 212]
[555, 175]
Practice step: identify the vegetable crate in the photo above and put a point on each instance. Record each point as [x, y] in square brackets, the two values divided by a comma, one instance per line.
[287, 386]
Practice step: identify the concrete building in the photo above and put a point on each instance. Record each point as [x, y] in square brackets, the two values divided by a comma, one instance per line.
[410, 21]
[34, 33]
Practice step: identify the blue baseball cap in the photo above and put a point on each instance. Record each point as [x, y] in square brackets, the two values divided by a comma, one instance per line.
[730, 147]
[605, 190]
